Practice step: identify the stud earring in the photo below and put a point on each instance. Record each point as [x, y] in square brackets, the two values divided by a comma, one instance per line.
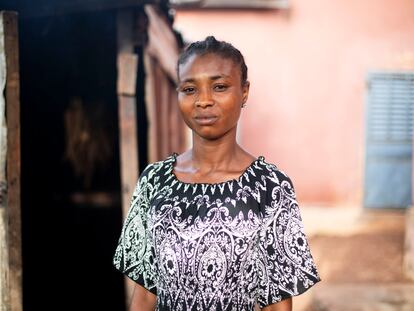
[243, 105]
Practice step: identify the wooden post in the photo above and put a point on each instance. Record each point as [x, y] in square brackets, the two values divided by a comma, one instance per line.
[11, 265]
[126, 85]
[4, 268]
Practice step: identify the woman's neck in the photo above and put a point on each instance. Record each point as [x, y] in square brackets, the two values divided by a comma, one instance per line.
[214, 153]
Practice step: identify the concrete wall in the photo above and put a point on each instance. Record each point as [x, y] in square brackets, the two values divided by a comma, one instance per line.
[307, 67]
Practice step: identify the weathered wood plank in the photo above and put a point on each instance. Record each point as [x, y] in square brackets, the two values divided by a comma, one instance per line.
[128, 148]
[150, 102]
[162, 43]
[4, 262]
[13, 204]
[127, 114]
[127, 73]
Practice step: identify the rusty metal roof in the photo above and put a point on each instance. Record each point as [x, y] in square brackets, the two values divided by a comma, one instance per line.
[231, 4]
[38, 8]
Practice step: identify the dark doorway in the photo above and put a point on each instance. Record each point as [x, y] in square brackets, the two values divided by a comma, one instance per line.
[71, 209]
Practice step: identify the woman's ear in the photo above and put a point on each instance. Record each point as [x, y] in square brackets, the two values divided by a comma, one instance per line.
[245, 90]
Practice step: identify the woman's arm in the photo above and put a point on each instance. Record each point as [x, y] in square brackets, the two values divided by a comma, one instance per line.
[284, 305]
[142, 299]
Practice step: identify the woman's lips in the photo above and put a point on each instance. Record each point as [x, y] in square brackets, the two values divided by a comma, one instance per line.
[206, 120]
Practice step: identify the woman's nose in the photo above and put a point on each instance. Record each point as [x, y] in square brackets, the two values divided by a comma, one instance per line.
[204, 103]
[204, 100]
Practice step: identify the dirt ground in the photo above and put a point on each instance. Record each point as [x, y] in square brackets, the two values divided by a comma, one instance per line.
[361, 264]
[374, 253]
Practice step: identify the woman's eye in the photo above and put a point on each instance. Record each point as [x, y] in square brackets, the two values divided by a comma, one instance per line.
[220, 87]
[188, 90]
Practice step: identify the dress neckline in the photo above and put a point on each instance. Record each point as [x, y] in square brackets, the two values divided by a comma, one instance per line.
[173, 160]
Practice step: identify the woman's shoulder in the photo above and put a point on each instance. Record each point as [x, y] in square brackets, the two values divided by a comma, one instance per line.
[267, 173]
[158, 167]
[273, 173]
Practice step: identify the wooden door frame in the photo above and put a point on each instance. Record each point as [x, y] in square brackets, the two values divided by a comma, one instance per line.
[11, 264]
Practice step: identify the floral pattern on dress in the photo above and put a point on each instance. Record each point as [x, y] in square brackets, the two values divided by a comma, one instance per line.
[223, 246]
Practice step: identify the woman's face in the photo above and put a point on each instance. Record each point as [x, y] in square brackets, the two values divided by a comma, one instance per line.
[210, 95]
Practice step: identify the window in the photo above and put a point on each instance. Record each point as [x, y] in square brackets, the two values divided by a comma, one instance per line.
[389, 130]
[390, 111]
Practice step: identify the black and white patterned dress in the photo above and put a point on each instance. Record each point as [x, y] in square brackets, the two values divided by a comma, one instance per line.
[222, 246]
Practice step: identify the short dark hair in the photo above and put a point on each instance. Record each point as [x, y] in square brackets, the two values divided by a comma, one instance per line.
[211, 45]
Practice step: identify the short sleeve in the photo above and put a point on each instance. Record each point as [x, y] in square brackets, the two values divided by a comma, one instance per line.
[134, 253]
[285, 265]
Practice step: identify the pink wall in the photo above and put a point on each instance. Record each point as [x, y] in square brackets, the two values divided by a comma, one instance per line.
[307, 68]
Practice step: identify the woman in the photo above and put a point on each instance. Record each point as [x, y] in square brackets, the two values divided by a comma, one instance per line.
[214, 228]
